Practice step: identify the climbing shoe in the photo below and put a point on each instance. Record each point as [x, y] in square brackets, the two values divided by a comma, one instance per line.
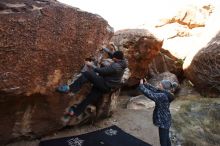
[69, 111]
[63, 89]
[65, 119]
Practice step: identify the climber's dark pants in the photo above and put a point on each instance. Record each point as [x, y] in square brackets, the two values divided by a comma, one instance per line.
[98, 89]
[92, 77]
[92, 97]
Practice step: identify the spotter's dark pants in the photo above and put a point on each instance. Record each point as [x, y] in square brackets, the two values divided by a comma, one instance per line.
[164, 137]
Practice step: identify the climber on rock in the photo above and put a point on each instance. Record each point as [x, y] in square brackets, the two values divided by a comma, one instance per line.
[103, 79]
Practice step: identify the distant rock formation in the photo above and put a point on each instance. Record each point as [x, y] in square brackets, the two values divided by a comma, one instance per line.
[181, 31]
[191, 17]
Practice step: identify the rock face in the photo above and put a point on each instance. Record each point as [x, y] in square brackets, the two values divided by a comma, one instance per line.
[53, 34]
[204, 70]
[192, 16]
[139, 47]
[166, 62]
[163, 76]
[42, 44]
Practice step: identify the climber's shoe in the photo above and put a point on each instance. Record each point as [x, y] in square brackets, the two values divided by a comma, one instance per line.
[65, 120]
[63, 89]
[69, 111]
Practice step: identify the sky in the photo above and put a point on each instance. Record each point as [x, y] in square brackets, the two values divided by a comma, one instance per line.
[122, 14]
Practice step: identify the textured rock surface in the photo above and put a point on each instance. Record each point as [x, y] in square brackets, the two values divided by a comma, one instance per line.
[191, 16]
[165, 62]
[51, 35]
[204, 70]
[42, 44]
[139, 47]
[163, 76]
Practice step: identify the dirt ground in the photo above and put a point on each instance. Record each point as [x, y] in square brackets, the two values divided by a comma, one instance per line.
[135, 122]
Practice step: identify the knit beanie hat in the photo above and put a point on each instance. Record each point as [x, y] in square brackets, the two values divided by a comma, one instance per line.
[167, 85]
[118, 55]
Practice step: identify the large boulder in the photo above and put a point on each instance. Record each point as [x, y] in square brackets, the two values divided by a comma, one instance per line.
[166, 62]
[139, 47]
[204, 70]
[42, 44]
